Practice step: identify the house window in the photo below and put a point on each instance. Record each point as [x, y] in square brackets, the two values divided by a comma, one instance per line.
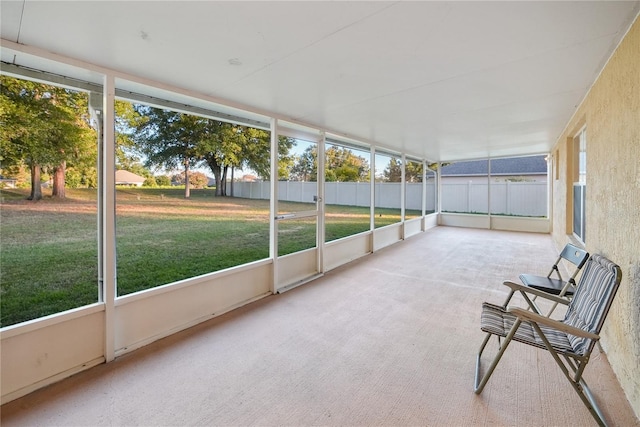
[579, 184]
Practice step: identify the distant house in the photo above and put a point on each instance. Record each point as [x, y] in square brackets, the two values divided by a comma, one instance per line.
[249, 178]
[533, 168]
[129, 178]
[7, 182]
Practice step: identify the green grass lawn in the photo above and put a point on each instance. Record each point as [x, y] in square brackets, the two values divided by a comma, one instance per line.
[49, 253]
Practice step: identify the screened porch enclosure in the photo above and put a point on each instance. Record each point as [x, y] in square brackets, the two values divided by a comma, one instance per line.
[328, 128]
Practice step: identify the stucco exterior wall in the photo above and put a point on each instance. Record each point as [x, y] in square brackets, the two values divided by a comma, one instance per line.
[611, 114]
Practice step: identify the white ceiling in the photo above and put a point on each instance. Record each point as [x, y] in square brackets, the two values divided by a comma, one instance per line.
[439, 80]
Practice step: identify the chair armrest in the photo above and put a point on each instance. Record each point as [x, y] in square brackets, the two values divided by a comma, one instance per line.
[533, 291]
[533, 317]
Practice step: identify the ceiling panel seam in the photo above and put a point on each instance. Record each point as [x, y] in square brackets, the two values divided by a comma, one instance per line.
[290, 54]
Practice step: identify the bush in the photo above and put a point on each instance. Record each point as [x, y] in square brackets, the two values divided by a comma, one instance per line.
[150, 182]
[196, 179]
[163, 181]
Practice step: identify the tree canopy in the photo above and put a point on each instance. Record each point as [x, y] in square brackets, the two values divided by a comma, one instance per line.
[127, 119]
[413, 171]
[175, 140]
[393, 171]
[44, 127]
[46, 130]
[341, 164]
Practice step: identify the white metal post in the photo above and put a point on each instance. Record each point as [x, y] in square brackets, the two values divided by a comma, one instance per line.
[108, 184]
[438, 191]
[320, 223]
[372, 200]
[96, 111]
[551, 161]
[424, 193]
[403, 195]
[273, 204]
[489, 190]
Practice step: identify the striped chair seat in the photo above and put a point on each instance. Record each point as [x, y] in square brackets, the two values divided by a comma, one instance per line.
[497, 321]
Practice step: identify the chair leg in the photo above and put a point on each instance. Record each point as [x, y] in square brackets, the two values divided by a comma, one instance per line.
[479, 384]
[553, 307]
[590, 402]
[578, 384]
[531, 302]
[484, 344]
[506, 302]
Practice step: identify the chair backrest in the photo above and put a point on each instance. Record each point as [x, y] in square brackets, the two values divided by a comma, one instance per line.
[574, 255]
[590, 304]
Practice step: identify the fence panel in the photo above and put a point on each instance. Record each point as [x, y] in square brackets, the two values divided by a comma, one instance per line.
[527, 198]
[414, 196]
[388, 195]
[478, 198]
[455, 197]
[507, 198]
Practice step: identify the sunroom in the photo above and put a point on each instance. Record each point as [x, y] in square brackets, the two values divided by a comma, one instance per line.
[402, 90]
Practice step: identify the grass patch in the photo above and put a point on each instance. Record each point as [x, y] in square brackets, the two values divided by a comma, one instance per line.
[49, 248]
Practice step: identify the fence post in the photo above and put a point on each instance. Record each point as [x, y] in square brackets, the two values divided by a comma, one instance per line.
[508, 198]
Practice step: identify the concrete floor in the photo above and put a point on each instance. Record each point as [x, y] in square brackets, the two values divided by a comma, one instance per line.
[389, 339]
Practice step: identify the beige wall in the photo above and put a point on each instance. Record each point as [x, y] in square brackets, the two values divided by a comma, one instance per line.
[611, 114]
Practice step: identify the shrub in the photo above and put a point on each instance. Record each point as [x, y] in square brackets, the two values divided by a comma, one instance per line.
[163, 180]
[150, 182]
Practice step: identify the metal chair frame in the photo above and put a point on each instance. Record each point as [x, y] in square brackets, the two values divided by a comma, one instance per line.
[571, 364]
[555, 286]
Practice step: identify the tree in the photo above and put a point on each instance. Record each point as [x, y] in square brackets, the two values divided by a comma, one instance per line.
[285, 159]
[43, 127]
[169, 139]
[344, 166]
[127, 120]
[163, 180]
[174, 140]
[83, 155]
[413, 171]
[232, 145]
[305, 167]
[223, 147]
[393, 171]
[196, 180]
[341, 165]
[256, 153]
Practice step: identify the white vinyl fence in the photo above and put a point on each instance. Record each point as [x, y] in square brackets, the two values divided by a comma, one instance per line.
[507, 198]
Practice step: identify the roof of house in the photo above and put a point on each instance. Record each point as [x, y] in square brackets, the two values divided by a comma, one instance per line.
[533, 165]
[126, 176]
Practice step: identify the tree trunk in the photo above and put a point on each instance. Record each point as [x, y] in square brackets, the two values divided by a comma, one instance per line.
[36, 186]
[217, 175]
[187, 184]
[224, 181]
[233, 169]
[58, 180]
